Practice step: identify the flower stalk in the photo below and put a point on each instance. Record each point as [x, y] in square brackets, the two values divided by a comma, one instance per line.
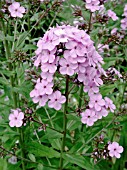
[12, 82]
[64, 123]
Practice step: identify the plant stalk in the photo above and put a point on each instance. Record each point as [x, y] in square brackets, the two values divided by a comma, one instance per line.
[64, 123]
[8, 54]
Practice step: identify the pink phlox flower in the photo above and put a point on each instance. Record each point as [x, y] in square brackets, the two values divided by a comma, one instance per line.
[49, 67]
[56, 100]
[102, 113]
[16, 10]
[16, 118]
[47, 76]
[114, 31]
[88, 117]
[66, 67]
[48, 56]
[125, 11]
[109, 104]
[41, 99]
[102, 47]
[93, 5]
[94, 76]
[44, 87]
[112, 15]
[96, 101]
[124, 23]
[91, 88]
[61, 34]
[115, 149]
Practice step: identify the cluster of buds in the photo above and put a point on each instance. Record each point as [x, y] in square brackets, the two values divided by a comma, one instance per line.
[102, 18]
[20, 56]
[100, 154]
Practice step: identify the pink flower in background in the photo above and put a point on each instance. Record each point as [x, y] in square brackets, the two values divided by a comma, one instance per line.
[125, 11]
[115, 149]
[109, 104]
[88, 117]
[102, 47]
[16, 10]
[112, 15]
[114, 31]
[16, 118]
[124, 23]
[56, 100]
[93, 5]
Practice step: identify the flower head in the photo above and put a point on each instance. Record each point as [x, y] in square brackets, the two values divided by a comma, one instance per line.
[16, 118]
[56, 100]
[112, 15]
[115, 149]
[16, 10]
[88, 117]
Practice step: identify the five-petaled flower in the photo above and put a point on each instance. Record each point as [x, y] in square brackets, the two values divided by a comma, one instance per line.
[16, 10]
[115, 149]
[16, 118]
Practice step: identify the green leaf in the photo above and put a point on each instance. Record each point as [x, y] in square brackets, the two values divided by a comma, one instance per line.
[29, 47]
[80, 161]
[3, 164]
[42, 150]
[21, 38]
[32, 157]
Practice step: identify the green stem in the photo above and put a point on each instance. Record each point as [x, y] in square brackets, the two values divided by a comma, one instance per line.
[80, 102]
[12, 80]
[64, 123]
[15, 30]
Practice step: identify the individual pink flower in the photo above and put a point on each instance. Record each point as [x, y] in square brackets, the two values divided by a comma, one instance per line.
[96, 101]
[47, 56]
[112, 15]
[40, 99]
[88, 117]
[115, 149]
[49, 67]
[66, 67]
[109, 104]
[114, 31]
[56, 100]
[47, 76]
[16, 118]
[93, 5]
[16, 10]
[44, 87]
[124, 23]
[102, 113]
[125, 11]
[102, 47]
[91, 88]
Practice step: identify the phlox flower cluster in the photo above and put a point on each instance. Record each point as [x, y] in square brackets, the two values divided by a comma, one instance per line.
[115, 149]
[16, 118]
[112, 15]
[93, 5]
[16, 10]
[79, 57]
[124, 21]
